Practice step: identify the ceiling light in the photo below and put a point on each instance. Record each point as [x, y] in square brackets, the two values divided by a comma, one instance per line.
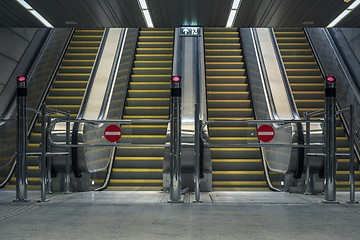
[344, 14]
[233, 11]
[146, 14]
[39, 17]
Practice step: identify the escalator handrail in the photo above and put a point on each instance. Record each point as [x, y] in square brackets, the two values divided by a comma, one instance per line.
[31, 70]
[112, 159]
[285, 78]
[295, 113]
[267, 93]
[113, 75]
[75, 130]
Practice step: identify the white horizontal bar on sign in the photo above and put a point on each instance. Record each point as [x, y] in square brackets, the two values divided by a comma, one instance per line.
[112, 133]
[266, 133]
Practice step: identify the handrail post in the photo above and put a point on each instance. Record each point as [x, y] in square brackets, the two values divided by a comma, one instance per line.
[197, 154]
[68, 158]
[308, 181]
[175, 143]
[330, 140]
[351, 156]
[48, 162]
[43, 152]
[21, 176]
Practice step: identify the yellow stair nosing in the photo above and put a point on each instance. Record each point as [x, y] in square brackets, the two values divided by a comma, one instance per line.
[239, 183]
[148, 99]
[137, 170]
[236, 160]
[145, 90]
[234, 149]
[233, 138]
[237, 172]
[139, 158]
[149, 83]
[231, 128]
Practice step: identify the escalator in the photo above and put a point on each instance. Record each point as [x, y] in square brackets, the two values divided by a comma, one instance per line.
[307, 86]
[141, 167]
[66, 92]
[228, 98]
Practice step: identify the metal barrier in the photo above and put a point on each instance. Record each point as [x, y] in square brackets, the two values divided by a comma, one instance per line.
[55, 121]
[307, 145]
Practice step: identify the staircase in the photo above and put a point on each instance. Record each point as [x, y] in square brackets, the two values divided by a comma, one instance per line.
[307, 85]
[148, 97]
[228, 98]
[66, 92]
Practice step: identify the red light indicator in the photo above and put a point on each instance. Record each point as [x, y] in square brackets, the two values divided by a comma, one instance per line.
[175, 79]
[21, 78]
[330, 79]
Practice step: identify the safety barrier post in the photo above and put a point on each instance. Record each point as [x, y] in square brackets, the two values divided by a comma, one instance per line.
[351, 156]
[309, 181]
[68, 158]
[175, 142]
[21, 178]
[48, 159]
[330, 140]
[43, 153]
[197, 153]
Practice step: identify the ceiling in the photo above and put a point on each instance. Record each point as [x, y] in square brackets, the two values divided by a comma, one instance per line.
[174, 13]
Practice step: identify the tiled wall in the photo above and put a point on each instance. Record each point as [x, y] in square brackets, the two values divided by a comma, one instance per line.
[352, 35]
[13, 44]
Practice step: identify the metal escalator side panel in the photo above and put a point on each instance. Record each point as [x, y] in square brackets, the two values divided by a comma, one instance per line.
[98, 159]
[334, 57]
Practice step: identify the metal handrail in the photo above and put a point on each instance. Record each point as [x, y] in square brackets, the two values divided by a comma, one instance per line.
[106, 102]
[254, 122]
[101, 123]
[84, 101]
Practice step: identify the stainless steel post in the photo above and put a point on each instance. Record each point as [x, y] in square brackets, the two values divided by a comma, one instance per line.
[175, 143]
[197, 153]
[351, 158]
[48, 163]
[68, 157]
[21, 178]
[330, 139]
[308, 189]
[43, 153]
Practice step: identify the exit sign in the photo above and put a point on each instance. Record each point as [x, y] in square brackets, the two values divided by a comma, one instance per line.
[190, 31]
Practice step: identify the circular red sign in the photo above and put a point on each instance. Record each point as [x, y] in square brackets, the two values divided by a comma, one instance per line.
[265, 133]
[112, 133]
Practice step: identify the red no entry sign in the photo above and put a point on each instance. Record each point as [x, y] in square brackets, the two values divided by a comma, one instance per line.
[265, 133]
[112, 133]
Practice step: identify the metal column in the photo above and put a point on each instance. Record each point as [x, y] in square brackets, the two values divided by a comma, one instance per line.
[330, 140]
[175, 143]
[21, 165]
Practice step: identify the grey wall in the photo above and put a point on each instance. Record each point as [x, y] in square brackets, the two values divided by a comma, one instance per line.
[352, 36]
[13, 44]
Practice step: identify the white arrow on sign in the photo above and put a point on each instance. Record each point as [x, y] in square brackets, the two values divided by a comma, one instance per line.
[186, 31]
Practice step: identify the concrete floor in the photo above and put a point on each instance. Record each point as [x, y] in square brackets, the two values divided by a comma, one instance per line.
[147, 215]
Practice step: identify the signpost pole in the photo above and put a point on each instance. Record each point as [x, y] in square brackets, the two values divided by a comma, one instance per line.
[330, 140]
[21, 178]
[175, 142]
